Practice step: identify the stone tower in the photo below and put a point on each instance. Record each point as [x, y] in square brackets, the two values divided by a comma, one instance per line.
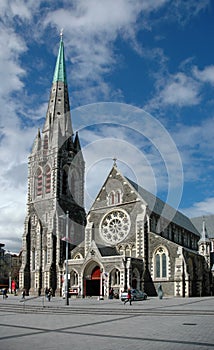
[204, 244]
[55, 186]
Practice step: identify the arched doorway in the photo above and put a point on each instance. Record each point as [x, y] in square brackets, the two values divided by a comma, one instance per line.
[92, 280]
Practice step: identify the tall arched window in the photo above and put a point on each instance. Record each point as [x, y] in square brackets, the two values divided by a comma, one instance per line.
[160, 263]
[74, 183]
[65, 181]
[114, 278]
[45, 145]
[118, 197]
[111, 198]
[74, 278]
[47, 179]
[39, 182]
[114, 197]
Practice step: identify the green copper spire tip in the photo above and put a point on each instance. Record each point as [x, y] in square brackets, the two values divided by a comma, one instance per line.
[60, 71]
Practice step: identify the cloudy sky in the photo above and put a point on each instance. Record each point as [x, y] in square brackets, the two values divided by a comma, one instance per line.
[141, 84]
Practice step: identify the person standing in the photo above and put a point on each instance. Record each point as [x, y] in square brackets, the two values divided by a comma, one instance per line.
[160, 291]
[129, 297]
[49, 294]
[111, 293]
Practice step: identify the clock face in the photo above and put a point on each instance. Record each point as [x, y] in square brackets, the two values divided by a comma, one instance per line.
[115, 226]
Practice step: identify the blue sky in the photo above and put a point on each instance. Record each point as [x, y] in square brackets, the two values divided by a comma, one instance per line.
[141, 83]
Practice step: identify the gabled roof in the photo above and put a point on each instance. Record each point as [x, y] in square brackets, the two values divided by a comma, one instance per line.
[161, 208]
[156, 205]
[209, 222]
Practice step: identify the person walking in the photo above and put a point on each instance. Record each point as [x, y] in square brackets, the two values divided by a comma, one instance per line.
[5, 293]
[23, 294]
[46, 292]
[129, 297]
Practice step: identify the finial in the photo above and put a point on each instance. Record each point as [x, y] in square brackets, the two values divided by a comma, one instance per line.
[61, 33]
[115, 161]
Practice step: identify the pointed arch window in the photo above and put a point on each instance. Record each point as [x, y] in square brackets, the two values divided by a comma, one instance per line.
[65, 181]
[39, 182]
[114, 278]
[45, 145]
[114, 197]
[74, 278]
[47, 179]
[118, 197]
[73, 185]
[160, 262]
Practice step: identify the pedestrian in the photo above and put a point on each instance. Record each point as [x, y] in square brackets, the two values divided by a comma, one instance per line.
[49, 294]
[46, 292]
[5, 293]
[160, 291]
[111, 293]
[129, 297]
[23, 294]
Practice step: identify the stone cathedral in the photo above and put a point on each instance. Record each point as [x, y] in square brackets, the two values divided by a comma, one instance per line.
[129, 237]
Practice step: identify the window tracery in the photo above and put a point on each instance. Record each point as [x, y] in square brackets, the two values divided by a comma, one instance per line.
[39, 182]
[47, 179]
[115, 226]
[114, 197]
[161, 263]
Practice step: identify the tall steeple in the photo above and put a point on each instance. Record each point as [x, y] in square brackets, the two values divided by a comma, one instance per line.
[56, 171]
[58, 119]
[204, 243]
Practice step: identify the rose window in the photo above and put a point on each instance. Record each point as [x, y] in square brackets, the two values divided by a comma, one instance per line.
[115, 226]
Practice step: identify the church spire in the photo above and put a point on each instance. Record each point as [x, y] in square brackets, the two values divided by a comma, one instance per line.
[204, 243]
[204, 236]
[60, 69]
[58, 125]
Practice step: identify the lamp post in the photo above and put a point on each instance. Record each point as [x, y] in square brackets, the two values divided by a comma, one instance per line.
[101, 284]
[66, 258]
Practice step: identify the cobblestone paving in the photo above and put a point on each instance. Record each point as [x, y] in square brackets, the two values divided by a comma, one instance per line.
[170, 323]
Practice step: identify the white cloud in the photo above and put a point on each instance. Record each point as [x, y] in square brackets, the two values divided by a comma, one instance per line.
[205, 75]
[10, 70]
[180, 90]
[205, 207]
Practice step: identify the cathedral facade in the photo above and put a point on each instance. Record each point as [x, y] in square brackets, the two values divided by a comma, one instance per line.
[129, 238]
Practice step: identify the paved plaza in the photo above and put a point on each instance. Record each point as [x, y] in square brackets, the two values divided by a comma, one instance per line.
[170, 323]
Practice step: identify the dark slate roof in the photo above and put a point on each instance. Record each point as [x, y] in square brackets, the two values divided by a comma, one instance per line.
[209, 223]
[108, 251]
[159, 207]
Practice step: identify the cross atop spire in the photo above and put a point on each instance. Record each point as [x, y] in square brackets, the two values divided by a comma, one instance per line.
[61, 34]
[115, 161]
